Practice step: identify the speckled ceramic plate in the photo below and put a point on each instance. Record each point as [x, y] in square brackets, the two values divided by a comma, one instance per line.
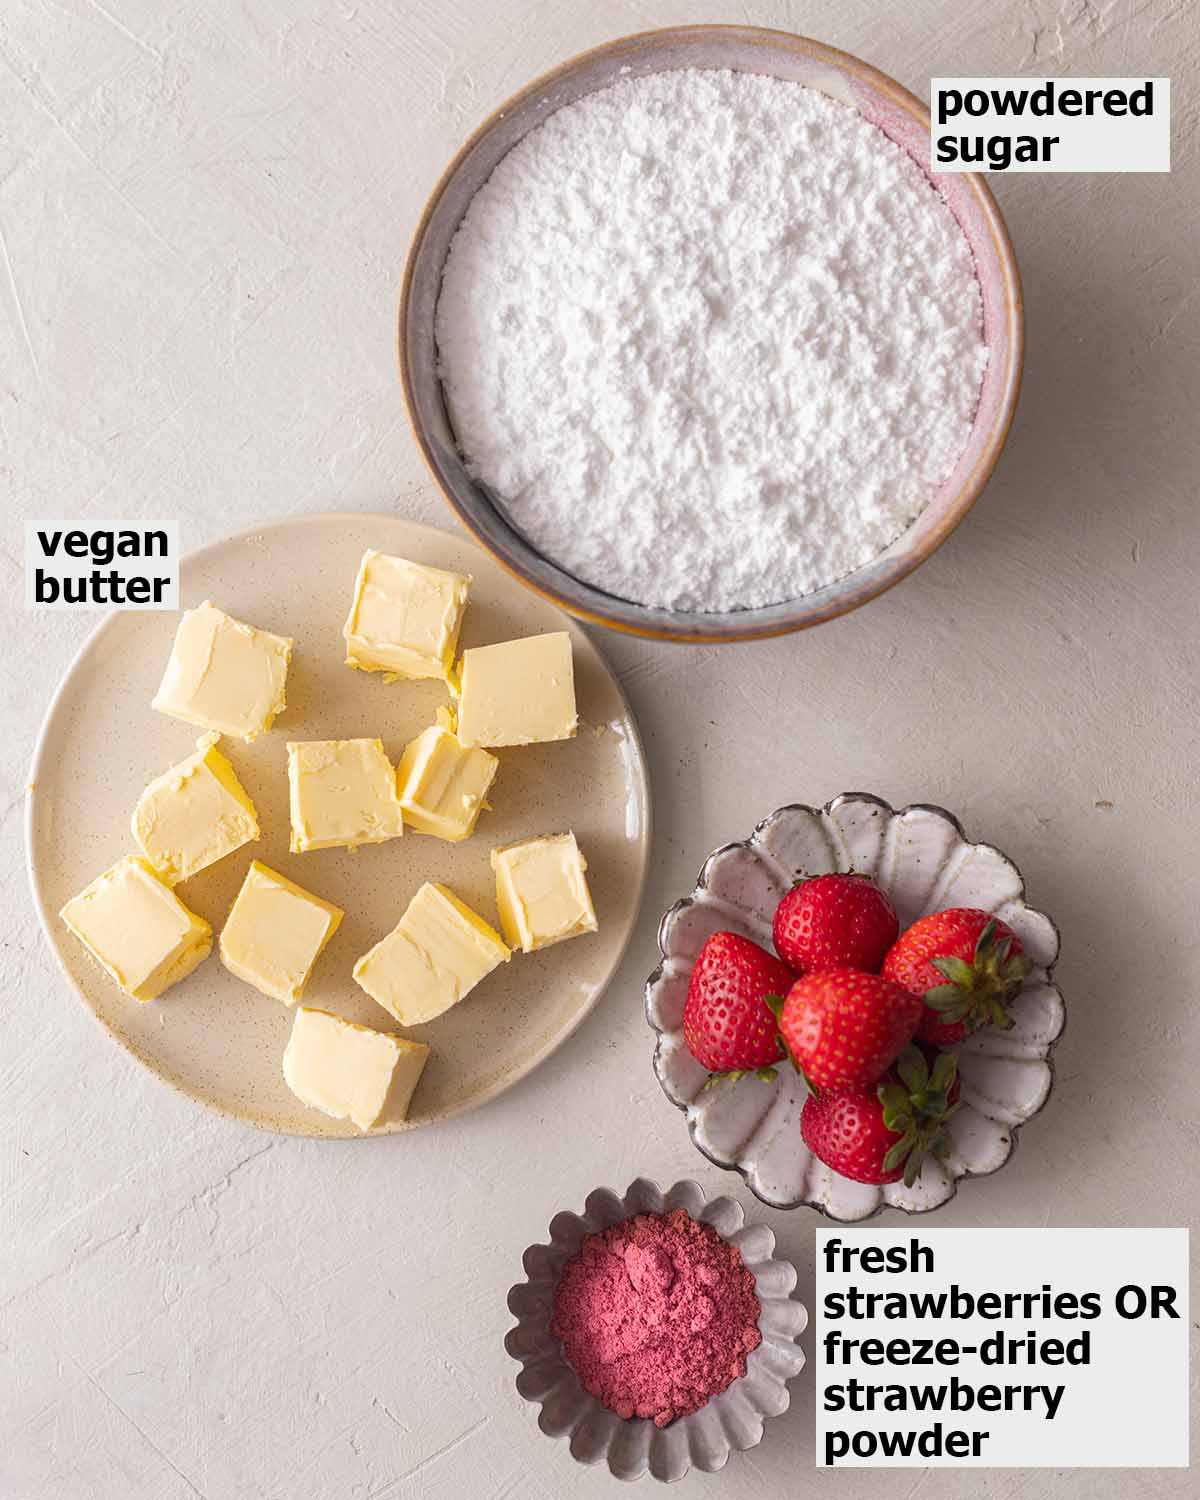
[924, 861]
[214, 1037]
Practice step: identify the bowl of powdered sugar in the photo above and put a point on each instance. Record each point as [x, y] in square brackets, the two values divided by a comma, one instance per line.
[696, 346]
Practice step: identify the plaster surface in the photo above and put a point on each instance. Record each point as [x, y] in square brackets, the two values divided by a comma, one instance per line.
[204, 209]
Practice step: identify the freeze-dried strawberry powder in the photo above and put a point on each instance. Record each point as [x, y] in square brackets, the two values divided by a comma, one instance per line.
[656, 1315]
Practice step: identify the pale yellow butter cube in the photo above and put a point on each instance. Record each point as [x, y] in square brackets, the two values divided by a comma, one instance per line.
[275, 932]
[194, 814]
[542, 891]
[405, 617]
[437, 953]
[347, 1071]
[224, 675]
[342, 793]
[443, 785]
[517, 692]
[133, 924]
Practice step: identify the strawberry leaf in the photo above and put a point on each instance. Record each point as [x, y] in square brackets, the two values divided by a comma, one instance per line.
[767, 1075]
[900, 1151]
[913, 1069]
[956, 970]
[986, 940]
[732, 1074]
[912, 1167]
[943, 997]
[892, 1096]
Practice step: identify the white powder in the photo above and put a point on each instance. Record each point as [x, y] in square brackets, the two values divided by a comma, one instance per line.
[711, 338]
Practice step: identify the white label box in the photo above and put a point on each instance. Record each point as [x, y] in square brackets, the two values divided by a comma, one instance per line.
[1050, 124]
[1002, 1348]
[74, 564]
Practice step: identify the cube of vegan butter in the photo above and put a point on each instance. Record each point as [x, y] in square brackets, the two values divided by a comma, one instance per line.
[343, 792]
[437, 953]
[275, 932]
[194, 814]
[138, 928]
[517, 692]
[405, 617]
[542, 891]
[224, 675]
[442, 784]
[347, 1070]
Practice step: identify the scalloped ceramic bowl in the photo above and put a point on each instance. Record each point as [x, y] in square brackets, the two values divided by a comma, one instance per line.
[732, 1420]
[924, 861]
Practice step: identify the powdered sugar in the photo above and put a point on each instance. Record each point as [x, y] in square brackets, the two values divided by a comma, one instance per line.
[711, 339]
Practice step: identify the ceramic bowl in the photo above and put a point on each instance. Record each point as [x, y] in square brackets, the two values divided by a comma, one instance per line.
[879, 99]
[923, 860]
[733, 1419]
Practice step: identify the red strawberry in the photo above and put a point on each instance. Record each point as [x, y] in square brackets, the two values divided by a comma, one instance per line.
[727, 1023]
[966, 965]
[843, 1028]
[883, 1133]
[835, 922]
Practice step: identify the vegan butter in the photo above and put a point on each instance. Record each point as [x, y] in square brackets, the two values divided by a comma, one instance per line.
[343, 793]
[347, 1070]
[443, 784]
[275, 933]
[437, 953]
[542, 891]
[517, 692]
[194, 814]
[405, 617]
[224, 675]
[138, 928]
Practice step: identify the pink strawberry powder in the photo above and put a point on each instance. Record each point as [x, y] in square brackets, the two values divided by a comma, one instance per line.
[656, 1315]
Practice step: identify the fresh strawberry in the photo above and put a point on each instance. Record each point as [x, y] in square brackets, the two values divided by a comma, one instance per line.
[966, 966]
[844, 1028]
[883, 1133]
[835, 922]
[728, 1024]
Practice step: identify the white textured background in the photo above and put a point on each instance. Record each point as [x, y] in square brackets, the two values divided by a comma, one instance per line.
[204, 208]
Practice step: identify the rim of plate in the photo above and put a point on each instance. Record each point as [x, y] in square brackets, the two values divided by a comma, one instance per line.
[1014, 1131]
[264, 1121]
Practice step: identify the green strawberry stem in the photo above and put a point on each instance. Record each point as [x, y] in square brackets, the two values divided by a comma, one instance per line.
[917, 1108]
[734, 1075]
[979, 993]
